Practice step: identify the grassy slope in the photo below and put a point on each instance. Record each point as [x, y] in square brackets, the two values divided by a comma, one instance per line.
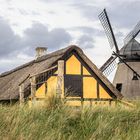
[58, 122]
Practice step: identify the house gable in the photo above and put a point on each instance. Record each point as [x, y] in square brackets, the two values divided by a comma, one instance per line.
[81, 78]
[92, 86]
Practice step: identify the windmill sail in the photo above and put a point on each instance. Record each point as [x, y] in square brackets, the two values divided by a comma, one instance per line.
[109, 66]
[108, 30]
[133, 33]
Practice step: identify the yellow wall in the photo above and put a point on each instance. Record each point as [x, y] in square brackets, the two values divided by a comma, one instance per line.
[98, 103]
[103, 93]
[91, 103]
[38, 103]
[51, 88]
[87, 103]
[85, 71]
[73, 103]
[40, 93]
[73, 66]
[51, 84]
[89, 87]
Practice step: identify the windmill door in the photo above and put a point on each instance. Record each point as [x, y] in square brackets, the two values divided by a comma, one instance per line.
[73, 86]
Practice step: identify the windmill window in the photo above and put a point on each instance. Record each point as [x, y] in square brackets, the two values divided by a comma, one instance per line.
[119, 86]
[135, 76]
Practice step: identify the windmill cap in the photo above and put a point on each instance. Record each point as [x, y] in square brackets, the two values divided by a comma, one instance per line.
[131, 50]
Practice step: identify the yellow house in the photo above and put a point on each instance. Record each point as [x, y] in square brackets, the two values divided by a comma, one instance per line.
[67, 72]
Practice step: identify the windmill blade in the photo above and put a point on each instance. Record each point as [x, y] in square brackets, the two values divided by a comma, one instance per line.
[133, 33]
[109, 66]
[103, 17]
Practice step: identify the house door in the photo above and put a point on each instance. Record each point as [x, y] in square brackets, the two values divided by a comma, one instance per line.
[73, 86]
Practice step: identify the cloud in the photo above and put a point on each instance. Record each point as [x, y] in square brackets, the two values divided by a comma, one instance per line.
[88, 30]
[26, 13]
[88, 10]
[85, 42]
[49, 1]
[124, 13]
[39, 35]
[9, 41]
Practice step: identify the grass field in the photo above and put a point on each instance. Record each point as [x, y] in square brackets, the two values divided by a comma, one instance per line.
[56, 121]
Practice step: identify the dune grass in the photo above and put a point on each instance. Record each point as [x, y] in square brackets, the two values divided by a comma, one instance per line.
[56, 121]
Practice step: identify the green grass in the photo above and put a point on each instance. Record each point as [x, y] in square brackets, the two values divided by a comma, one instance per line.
[56, 121]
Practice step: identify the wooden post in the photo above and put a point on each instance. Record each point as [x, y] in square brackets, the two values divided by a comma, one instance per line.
[33, 88]
[21, 93]
[60, 79]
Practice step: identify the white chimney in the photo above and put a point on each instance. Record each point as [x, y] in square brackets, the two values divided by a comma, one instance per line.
[40, 51]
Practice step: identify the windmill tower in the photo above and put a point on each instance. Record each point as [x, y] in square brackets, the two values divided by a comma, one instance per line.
[127, 78]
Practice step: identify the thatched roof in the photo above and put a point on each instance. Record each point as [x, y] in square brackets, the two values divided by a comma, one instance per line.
[10, 80]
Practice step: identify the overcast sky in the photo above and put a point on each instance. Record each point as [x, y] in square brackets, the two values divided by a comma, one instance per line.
[27, 24]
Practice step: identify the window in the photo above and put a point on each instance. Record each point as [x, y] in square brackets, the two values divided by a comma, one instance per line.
[119, 86]
[135, 76]
[73, 85]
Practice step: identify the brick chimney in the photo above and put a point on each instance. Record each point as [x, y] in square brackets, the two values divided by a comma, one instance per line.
[40, 51]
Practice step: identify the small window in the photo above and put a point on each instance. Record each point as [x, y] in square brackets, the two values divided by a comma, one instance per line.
[119, 87]
[135, 76]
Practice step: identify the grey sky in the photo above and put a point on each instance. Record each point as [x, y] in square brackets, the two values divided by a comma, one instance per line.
[27, 24]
